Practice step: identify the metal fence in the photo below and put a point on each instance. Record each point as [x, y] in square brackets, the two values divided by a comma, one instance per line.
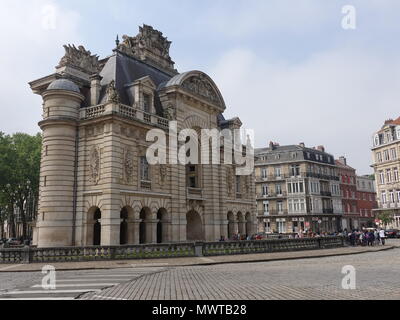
[154, 251]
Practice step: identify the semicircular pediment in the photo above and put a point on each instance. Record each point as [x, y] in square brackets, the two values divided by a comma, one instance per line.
[199, 84]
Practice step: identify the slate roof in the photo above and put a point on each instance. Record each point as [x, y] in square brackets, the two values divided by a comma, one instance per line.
[125, 70]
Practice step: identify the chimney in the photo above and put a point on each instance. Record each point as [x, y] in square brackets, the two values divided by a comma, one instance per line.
[302, 144]
[95, 88]
[321, 148]
[271, 145]
[343, 160]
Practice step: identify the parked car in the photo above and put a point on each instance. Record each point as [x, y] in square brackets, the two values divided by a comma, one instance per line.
[392, 233]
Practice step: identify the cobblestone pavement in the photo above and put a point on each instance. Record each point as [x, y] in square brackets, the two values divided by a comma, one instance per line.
[69, 285]
[377, 277]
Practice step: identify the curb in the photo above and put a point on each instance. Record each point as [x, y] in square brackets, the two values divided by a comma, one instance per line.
[216, 262]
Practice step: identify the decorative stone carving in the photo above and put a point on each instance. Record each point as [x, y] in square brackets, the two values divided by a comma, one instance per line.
[94, 164]
[128, 165]
[80, 58]
[163, 174]
[112, 93]
[149, 44]
[170, 113]
[229, 180]
[199, 85]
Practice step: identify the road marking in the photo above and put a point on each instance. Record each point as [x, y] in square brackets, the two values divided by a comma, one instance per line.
[80, 285]
[41, 298]
[109, 298]
[87, 280]
[50, 291]
[11, 267]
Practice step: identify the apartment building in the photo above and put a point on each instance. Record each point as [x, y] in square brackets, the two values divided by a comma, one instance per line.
[348, 189]
[297, 188]
[386, 164]
[366, 200]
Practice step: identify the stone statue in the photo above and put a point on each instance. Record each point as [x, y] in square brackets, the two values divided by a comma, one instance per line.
[112, 93]
[170, 113]
[149, 45]
[80, 58]
[163, 174]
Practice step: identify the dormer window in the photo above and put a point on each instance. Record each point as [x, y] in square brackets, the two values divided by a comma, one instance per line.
[147, 102]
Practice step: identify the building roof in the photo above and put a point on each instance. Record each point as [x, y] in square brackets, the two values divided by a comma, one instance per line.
[344, 166]
[63, 84]
[125, 70]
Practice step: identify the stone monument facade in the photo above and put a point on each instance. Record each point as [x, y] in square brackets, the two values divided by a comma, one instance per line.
[97, 187]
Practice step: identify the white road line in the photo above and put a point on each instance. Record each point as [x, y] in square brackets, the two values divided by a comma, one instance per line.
[109, 298]
[41, 298]
[50, 291]
[11, 267]
[86, 280]
[80, 285]
[105, 276]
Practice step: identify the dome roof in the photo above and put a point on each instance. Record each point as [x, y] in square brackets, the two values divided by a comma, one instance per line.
[63, 84]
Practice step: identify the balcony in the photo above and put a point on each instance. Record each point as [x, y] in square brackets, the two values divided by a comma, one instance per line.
[326, 193]
[195, 193]
[273, 195]
[129, 112]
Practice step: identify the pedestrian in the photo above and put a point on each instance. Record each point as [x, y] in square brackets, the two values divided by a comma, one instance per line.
[382, 236]
[371, 238]
[377, 239]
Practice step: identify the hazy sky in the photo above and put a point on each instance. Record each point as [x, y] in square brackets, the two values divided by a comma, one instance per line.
[287, 68]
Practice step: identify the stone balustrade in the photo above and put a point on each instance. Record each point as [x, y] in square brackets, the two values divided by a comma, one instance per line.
[132, 113]
[173, 250]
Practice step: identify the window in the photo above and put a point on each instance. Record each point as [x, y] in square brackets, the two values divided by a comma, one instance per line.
[393, 154]
[147, 103]
[278, 172]
[386, 155]
[381, 177]
[144, 169]
[266, 207]
[265, 190]
[192, 176]
[238, 186]
[281, 226]
[278, 189]
[279, 206]
[391, 196]
[383, 197]
[264, 173]
[395, 174]
[389, 175]
[376, 140]
[379, 157]
[295, 170]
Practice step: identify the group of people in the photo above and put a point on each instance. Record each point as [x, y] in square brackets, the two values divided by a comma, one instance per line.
[369, 237]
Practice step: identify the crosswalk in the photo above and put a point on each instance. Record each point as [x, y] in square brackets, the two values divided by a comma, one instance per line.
[71, 285]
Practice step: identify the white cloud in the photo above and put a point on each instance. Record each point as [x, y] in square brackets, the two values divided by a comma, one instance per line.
[337, 98]
[31, 35]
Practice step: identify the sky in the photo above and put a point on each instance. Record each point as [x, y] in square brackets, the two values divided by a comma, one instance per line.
[288, 69]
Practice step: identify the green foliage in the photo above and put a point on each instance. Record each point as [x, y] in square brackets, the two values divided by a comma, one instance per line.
[386, 217]
[19, 174]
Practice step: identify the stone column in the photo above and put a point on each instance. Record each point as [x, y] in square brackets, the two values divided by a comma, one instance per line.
[151, 231]
[133, 231]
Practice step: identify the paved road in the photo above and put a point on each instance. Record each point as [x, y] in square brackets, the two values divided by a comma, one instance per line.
[377, 277]
[69, 285]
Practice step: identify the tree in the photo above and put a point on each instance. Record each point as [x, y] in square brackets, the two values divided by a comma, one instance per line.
[386, 217]
[19, 177]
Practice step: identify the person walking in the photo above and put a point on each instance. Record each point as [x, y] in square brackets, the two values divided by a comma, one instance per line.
[382, 236]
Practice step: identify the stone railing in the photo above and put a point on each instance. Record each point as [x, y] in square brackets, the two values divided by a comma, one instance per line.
[132, 113]
[267, 246]
[154, 251]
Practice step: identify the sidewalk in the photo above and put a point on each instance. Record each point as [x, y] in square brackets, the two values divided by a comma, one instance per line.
[196, 261]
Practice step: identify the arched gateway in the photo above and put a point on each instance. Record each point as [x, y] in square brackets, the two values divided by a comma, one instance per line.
[194, 227]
